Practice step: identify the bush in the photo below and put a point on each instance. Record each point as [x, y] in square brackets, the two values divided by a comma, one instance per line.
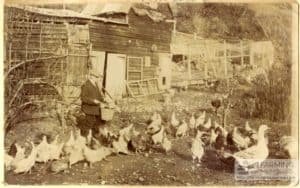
[272, 97]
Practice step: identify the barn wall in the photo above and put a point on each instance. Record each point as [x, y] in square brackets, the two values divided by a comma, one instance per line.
[135, 39]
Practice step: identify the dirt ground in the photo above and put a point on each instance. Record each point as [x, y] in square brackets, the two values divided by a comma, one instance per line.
[149, 168]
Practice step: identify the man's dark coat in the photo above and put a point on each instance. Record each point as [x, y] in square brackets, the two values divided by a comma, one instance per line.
[89, 92]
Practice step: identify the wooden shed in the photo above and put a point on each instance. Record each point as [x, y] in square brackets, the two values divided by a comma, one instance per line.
[47, 52]
[134, 57]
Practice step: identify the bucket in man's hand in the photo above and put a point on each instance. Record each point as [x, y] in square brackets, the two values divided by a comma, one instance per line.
[107, 113]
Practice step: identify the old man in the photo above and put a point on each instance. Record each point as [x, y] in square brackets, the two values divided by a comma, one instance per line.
[92, 97]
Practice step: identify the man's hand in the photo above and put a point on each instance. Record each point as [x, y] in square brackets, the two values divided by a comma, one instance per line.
[96, 101]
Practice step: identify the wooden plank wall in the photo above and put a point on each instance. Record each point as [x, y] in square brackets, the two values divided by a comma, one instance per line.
[134, 39]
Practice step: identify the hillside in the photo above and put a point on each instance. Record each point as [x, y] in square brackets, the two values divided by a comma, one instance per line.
[256, 22]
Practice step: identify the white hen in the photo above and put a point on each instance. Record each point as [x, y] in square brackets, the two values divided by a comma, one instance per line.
[80, 140]
[25, 165]
[153, 127]
[103, 132]
[174, 121]
[75, 156]
[158, 137]
[97, 155]
[166, 143]
[43, 152]
[223, 129]
[55, 149]
[213, 137]
[89, 137]
[128, 132]
[255, 154]
[20, 153]
[240, 141]
[201, 119]
[207, 125]
[197, 147]
[248, 128]
[182, 129]
[156, 117]
[68, 146]
[75, 148]
[8, 161]
[192, 123]
[120, 145]
[95, 144]
[289, 144]
[251, 131]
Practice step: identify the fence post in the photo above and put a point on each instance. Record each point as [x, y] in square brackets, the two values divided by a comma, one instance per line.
[251, 52]
[189, 63]
[225, 64]
[242, 52]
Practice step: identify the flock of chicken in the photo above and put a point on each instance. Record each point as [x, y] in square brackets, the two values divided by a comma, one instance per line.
[247, 148]
[77, 148]
[250, 147]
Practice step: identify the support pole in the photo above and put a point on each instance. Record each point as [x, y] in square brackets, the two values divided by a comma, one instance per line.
[9, 66]
[189, 64]
[225, 64]
[206, 61]
[41, 41]
[242, 52]
[251, 52]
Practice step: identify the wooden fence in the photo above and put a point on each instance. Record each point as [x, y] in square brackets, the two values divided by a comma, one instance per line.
[213, 59]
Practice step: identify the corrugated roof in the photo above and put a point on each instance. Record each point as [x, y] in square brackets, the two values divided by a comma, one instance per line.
[61, 13]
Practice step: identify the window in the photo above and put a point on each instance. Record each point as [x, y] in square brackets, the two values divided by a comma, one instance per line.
[134, 68]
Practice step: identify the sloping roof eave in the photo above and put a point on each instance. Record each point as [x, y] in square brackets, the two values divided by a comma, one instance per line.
[63, 13]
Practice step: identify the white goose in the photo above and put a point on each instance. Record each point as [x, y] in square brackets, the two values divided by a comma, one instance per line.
[255, 154]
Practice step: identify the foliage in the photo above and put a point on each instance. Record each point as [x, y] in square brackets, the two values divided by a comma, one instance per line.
[255, 22]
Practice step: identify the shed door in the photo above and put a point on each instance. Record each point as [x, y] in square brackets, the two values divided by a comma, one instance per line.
[115, 75]
[97, 61]
[165, 70]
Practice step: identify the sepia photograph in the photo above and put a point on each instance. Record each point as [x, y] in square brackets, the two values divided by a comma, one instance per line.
[159, 93]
